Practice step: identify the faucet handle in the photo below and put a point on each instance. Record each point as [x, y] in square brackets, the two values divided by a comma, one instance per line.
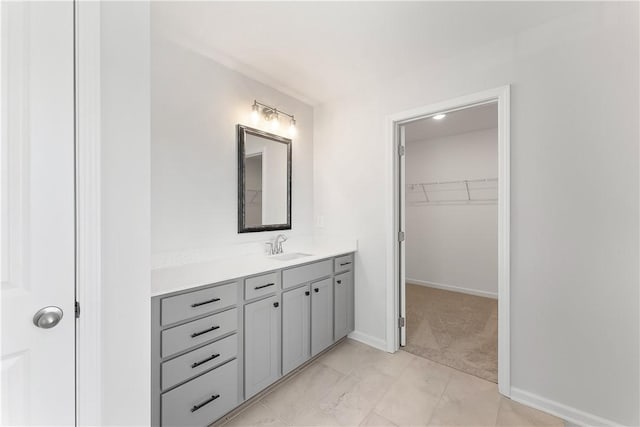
[269, 246]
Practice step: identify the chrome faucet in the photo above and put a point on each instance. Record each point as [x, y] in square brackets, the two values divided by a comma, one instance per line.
[275, 247]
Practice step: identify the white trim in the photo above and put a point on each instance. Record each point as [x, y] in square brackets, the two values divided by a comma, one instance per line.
[567, 413]
[400, 202]
[501, 95]
[88, 259]
[369, 340]
[453, 288]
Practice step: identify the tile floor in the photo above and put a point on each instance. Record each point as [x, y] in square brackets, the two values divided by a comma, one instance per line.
[354, 384]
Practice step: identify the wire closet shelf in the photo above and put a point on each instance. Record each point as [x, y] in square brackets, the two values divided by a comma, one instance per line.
[463, 192]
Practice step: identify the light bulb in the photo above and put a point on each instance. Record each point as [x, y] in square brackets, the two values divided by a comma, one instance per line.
[255, 114]
[292, 128]
[275, 122]
[439, 116]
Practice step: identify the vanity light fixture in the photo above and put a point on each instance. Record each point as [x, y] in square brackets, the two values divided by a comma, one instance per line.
[271, 115]
[292, 127]
[439, 116]
[255, 113]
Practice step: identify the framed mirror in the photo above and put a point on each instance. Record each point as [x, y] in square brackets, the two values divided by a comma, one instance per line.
[264, 181]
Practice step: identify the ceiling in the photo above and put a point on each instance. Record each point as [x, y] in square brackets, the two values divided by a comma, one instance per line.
[461, 121]
[317, 51]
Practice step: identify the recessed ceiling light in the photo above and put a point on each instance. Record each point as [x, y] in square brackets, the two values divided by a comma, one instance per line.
[439, 116]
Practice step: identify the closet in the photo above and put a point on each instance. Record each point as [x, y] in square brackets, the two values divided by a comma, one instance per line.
[451, 239]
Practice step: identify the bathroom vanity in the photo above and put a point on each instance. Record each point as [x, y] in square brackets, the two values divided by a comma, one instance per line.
[222, 332]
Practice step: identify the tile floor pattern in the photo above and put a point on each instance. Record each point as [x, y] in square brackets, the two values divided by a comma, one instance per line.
[454, 329]
[356, 385]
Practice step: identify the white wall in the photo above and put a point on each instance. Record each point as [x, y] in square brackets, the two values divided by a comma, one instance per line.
[574, 195]
[125, 167]
[196, 104]
[454, 246]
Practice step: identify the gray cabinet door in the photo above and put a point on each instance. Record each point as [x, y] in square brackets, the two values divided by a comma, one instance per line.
[296, 343]
[261, 344]
[342, 304]
[321, 315]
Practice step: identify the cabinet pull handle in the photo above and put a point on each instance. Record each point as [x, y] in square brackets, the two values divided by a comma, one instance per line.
[211, 329]
[307, 293]
[264, 286]
[316, 290]
[206, 402]
[338, 281]
[208, 359]
[198, 304]
[345, 263]
[276, 304]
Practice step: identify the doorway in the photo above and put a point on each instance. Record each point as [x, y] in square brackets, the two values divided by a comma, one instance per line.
[399, 194]
[451, 236]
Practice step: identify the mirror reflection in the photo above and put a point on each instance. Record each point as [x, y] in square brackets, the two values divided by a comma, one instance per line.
[264, 181]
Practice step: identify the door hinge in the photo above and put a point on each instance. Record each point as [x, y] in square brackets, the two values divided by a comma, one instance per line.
[77, 310]
[400, 150]
[401, 236]
[400, 322]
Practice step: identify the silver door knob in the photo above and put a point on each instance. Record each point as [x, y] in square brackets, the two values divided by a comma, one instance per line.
[47, 317]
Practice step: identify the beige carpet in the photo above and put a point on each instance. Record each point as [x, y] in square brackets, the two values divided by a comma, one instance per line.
[454, 329]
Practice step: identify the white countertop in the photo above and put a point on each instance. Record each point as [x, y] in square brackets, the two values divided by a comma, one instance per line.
[178, 278]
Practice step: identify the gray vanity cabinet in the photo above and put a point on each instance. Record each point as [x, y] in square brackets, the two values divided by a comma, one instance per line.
[216, 346]
[321, 315]
[261, 344]
[343, 318]
[296, 332]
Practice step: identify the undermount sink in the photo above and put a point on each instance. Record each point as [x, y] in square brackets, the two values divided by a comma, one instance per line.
[290, 256]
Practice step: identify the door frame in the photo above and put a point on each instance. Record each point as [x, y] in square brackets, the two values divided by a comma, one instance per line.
[88, 217]
[395, 217]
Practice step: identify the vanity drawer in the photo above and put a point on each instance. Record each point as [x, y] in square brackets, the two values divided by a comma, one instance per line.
[192, 304]
[202, 400]
[343, 263]
[198, 361]
[261, 285]
[306, 273]
[199, 331]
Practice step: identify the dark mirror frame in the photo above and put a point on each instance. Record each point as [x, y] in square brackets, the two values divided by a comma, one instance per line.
[242, 132]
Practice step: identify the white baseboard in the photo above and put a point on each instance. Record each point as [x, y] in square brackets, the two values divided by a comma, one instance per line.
[573, 416]
[453, 288]
[369, 340]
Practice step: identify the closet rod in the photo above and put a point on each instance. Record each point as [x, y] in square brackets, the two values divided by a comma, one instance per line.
[462, 181]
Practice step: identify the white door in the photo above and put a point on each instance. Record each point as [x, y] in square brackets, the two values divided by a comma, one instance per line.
[401, 226]
[38, 231]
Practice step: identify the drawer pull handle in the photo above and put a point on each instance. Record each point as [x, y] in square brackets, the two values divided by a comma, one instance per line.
[198, 304]
[307, 293]
[206, 402]
[276, 304]
[211, 329]
[338, 281]
[208, 359]
[317, 290]
[345, 263]
[264, 286]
